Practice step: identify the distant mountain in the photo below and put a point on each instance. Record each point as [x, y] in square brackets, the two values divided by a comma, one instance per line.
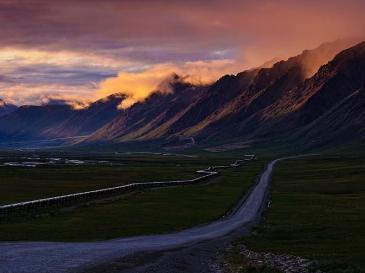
[6, 108]
[32, 122]
[57, 120]
[152, 118]
[315, 99]
[87, 120]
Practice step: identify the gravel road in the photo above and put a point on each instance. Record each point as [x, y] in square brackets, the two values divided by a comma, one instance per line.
[54, 257]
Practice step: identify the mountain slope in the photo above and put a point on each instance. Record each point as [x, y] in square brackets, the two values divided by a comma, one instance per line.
[6, 108]
[152, 118]
[32, 122]
[302, 108]
[336, 112]
[287, 102]
[58, 120]
[87, 120]
[230, 107]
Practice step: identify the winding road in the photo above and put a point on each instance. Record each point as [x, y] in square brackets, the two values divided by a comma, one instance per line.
[53, 257]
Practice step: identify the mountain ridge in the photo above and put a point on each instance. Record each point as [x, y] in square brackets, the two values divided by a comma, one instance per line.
[284, 100]
[6, 108]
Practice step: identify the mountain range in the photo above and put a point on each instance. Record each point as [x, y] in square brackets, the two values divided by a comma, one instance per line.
[312, 100]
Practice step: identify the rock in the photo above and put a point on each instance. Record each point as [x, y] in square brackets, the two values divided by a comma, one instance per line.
[284, 263]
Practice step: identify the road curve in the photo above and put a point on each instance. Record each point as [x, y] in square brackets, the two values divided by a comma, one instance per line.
[53, 257]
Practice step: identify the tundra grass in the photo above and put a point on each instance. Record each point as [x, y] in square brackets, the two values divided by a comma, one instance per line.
[150, 212]
[26, 183]
[317, 212]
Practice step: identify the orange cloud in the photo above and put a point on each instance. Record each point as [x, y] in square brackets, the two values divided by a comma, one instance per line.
[139, 85]
[109, 36]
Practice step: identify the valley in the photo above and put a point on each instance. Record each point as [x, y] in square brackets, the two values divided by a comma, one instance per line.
[315, 204]
[167, 136]
[28, 176]
[312, 100]
[152, 211]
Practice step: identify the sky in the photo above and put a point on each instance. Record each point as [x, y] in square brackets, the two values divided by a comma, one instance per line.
[87, 49]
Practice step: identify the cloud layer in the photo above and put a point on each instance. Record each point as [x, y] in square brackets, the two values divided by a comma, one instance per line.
[81, 48]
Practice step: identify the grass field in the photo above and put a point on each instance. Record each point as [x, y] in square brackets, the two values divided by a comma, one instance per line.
[150, 212]
[318, 212]
[27, 183]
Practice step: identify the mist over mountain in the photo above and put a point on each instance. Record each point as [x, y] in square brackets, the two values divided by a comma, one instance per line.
[251, 105]
[315, 98]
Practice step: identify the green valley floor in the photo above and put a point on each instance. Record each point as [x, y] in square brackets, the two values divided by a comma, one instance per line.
[317, 212]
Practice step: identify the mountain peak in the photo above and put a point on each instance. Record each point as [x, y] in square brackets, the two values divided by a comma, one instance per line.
[311, 60]
[357, 51]
[6, 108]
[118, 95]
[113, 100]
[75, 104]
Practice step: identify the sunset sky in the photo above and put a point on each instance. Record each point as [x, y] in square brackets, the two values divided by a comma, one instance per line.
[85, 50]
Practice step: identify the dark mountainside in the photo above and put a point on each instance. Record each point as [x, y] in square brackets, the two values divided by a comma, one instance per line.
[58, 121]
[86, 121]
[32, 122]
[6, 108]
[255, 104]
[303, 106]
[152, 118]
[315, 99]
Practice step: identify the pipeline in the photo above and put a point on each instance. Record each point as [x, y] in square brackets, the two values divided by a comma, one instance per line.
[63, 200]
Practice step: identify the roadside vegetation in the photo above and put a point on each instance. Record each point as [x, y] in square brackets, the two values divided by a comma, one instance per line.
[317, 212]
[149, 212]
[28, 183]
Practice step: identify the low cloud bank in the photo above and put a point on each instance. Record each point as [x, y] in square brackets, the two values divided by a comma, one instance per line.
[141, 84]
